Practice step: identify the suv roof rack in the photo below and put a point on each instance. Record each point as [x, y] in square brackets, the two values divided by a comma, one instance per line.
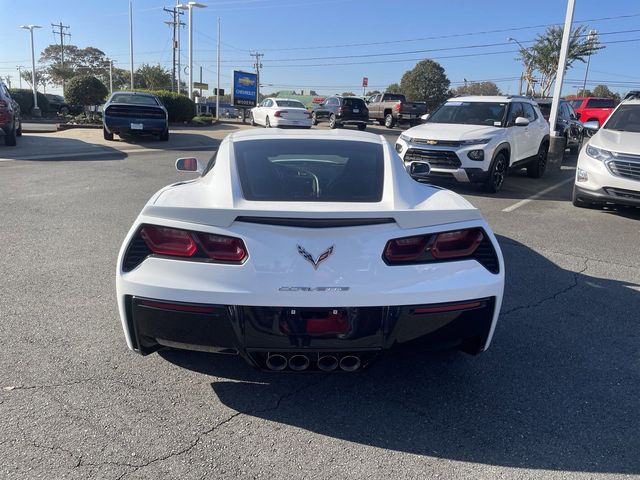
[632, 95]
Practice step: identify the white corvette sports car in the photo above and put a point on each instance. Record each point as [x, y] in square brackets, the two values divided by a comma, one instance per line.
[307, 250]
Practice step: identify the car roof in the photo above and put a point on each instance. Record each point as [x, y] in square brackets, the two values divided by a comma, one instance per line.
[491, 98]
[269, 134]
[139, 94]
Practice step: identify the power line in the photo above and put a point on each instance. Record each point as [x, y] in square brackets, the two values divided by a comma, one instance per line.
[61, 31]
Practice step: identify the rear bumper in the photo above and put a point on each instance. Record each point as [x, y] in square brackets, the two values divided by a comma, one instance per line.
[256, 332]
[119, 125]
[285, 122]
[351, 119]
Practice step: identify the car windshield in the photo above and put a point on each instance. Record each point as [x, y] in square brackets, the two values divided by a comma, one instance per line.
[134, 99]
[470, 113]
[310, 170]
[601, 103]
[625, 119]
[290, 103]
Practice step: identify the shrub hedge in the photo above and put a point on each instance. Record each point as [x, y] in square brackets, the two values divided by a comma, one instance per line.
[24, 98]
[179, 107]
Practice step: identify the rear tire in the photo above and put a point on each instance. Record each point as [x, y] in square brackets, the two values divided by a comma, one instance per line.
[362, 126]
[497, 172]
[332, 122]
[10, 138]
[389, 122]
[106, 134]
[314, 118]
[537, 168]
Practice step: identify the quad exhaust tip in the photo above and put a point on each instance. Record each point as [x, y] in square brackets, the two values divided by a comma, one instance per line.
[349, 363]
[327, 363]
[276, 362]
[299, 362]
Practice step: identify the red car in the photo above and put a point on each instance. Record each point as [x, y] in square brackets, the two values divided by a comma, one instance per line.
[592, 108]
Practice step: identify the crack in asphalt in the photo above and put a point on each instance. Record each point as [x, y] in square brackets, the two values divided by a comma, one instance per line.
[554, 296]
[135, 467]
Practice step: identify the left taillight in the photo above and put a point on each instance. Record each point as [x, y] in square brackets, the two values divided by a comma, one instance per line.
[183, 244]
[458, 244]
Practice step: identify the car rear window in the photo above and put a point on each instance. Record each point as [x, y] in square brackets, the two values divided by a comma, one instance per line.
[290, 103]
[354, 102]
[310, 170]
[576, 103]
[601, 103]
[134, 99]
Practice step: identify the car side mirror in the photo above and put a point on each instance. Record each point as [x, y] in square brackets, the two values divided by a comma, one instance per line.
[591, 125]
[521, 122]
[419, 170]
[425, 117]
[189, 164]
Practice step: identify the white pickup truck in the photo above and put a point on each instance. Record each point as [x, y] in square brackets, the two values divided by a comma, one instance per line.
[476, 139]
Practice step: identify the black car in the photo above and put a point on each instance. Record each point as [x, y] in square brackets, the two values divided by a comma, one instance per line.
[10, 124]
[341, 111]
[128, 113]
[568, 122]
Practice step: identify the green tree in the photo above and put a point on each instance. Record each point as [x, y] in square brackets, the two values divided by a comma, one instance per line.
[426, 82]
[394, 88]
[153, 77]
[41, 78]
[477, 88]
[543, 56]
[77, 61]
[604, 92]
[348, 94]
[583, 93]
[85, 90]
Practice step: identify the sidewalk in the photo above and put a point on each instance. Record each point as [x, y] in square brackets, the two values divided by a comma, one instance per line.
[68, 144]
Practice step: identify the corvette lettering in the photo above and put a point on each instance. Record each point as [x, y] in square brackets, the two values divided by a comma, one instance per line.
[313, 289]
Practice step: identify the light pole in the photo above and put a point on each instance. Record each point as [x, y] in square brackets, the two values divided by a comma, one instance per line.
[36, 110]
[593, 35]
[131, 41]
[189, 6]
[527, 72]
[218, 76]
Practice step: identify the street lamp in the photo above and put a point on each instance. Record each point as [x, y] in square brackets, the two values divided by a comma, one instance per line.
[591, 37]
[189, 6]
[528, 73]
[36, 110]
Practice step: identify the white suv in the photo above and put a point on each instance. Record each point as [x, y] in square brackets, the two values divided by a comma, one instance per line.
[608, 169]
[476, 139]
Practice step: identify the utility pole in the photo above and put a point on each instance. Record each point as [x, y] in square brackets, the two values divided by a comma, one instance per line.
[257, 65]
[19, 67]
[61, 31]
[218, 76]
[131, 41]
[592, 37]
[175, 24]
[110, 76]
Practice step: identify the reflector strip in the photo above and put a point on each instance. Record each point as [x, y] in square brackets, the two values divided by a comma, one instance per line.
[447, 308]
[177, 307]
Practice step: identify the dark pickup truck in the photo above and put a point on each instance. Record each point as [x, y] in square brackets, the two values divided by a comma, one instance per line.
[390, 109]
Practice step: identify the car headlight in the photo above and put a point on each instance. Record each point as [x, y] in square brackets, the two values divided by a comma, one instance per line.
[598, 153]
[477, 141]
[406, 138]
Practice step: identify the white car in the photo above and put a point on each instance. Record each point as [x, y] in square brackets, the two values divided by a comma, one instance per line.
[476, 139]
[608, 169]
[307, 250]
[281, 112]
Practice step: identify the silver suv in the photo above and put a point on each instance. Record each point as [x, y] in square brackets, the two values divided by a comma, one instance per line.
[476, 139]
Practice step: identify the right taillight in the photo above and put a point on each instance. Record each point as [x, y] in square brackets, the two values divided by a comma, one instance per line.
[470, 243]
[222, 248]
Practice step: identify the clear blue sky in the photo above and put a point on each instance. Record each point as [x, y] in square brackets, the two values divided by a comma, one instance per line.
[312, 29]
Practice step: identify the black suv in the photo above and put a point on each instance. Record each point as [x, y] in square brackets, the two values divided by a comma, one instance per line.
[342, 111]
[10, 126]
[567, 123]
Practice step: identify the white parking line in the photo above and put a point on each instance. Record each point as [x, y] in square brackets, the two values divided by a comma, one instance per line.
[537, 195]
[193, 148]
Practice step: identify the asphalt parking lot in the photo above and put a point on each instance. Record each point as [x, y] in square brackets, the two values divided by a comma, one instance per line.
[556, 395]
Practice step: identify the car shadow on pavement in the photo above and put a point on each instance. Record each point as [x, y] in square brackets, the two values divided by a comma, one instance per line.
[177, 141]
[52, 148]
[557, 390]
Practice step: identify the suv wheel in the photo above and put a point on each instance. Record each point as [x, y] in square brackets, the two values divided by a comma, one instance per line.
[106, 134]
[10, 138]
[332, 121]
[497, 172]
[314, 119]
[362, 126]
[539, 165]
[388, 120]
